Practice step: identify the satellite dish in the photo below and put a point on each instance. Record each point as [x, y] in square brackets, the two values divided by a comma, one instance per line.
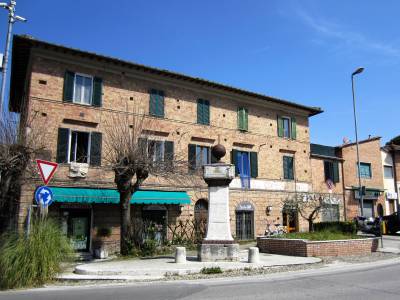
[346, 140]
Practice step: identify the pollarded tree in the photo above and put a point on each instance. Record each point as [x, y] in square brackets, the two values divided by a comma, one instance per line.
[134, 156]
[309, 206]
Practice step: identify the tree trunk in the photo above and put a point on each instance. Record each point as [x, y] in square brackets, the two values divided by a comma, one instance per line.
[310, 226]
[125, 209]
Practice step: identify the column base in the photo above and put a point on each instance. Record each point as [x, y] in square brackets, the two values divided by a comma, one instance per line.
[218, 251]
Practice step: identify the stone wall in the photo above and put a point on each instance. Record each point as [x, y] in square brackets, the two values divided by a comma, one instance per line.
[298, 247]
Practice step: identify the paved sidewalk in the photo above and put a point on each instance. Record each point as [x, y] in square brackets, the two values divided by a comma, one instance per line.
[157, 268]
[391, 244]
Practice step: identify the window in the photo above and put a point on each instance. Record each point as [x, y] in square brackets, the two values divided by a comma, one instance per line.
[79, 147]
[331, 169]
[203, 112]
[365, 170]
[288, 172]
[246, 163]
[156, 103]
[156, 150]
[83, 89]
[198, 156]
[242, 118]
[287, 127]
[330, 213]
[388, 172]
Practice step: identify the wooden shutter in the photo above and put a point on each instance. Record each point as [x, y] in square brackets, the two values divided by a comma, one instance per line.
[234, 161]
[169, 153]
[245, 119]
[153, 102]
[192, 156]
[327, 169]
[336, 172]
[97, 92]
[68, 92]
[280, 126]
[242, 118]
[213, 158]
[206, 112]
[253, 164]
[160, 104]
[293, 128]
[95, 148]
[62, 145]
[200, 111]
[288, 167]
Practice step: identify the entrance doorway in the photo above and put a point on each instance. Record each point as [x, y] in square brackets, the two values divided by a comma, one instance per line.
[245, 221]
[78, 229]
[289, 219]
[155, 216]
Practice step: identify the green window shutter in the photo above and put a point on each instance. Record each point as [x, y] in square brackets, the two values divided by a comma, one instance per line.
[160, 104]
[192, 156]
[142, 146]
[62, 145]
[245, 119]
[242, 118]
[95, 149]
[156, 105]
[153, 102]
[293, 129]
[169, 153]
[97, 92]
[213, 158]
[234, 161]
[200, 111]
[239, 118]
[68, 92]
[336, 172]
[327, 169]
[253, 164]
[280, 126]
[206, 112]
[288, 167]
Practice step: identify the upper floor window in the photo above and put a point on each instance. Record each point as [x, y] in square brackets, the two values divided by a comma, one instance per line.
[388, 172]
[331, 169]
[83, 86]
[203, 112]
[156, 107]
[287, 127]
[246, 163]
[82, 89]
[288, 167]
[157, 151]
[242, 118]
[365, 170]
[198, 156]
[79, 146]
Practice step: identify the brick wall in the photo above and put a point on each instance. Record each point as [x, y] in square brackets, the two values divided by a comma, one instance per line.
[298, 247]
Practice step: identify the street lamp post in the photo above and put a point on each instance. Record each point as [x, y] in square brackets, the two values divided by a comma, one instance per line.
[358, 71]
[12, 18]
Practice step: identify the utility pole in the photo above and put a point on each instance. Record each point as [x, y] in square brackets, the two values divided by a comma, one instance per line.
[12, 18]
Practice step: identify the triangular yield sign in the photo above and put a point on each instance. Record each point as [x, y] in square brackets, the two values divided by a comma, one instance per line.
[47, 169]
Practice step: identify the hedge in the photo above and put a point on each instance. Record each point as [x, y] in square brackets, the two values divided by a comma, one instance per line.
[341, 226]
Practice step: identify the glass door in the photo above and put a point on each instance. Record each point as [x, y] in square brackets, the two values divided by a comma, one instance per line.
[79, 230]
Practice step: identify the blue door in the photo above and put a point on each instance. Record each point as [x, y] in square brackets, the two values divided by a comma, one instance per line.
[243, 161]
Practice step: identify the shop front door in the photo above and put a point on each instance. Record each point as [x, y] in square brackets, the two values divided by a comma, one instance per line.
[79, 229]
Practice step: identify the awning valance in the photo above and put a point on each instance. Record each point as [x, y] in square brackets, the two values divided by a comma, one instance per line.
[111, 196]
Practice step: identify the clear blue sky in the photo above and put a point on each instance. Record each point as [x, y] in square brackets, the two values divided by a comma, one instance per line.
[303, 51]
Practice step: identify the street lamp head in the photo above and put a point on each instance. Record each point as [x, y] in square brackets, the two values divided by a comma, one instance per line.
[358, 71]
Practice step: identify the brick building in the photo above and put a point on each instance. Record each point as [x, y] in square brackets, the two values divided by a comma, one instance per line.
[74, 92]
[391, 169]
[371, 177]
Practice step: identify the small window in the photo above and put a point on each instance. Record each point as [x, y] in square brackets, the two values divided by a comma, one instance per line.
[156, 150]
[288, 170]
[365, 170]
[83, 86]
[331, 169]
[79, 147]
[286, 127]
[203, 156]
[242, 118]
[156, 108]
[388, 172]
[203, 112]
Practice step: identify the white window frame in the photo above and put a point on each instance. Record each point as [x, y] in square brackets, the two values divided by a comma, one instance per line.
[154, 154]
[289, 129]
[70, 145]
[91, 90]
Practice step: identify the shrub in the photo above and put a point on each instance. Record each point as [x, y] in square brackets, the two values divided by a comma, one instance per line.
[149, 247]
[341, 226]
[323, 235]
[33, 260]
[211, 270]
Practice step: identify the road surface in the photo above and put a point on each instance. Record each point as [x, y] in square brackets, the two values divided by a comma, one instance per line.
[375, 281]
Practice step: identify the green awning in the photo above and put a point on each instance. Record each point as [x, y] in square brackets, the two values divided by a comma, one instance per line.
[111, 196]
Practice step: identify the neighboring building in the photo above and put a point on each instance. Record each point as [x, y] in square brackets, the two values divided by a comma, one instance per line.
[371, 177]
[392, 158]
[326, 167]
[389, 181]
[76, 92]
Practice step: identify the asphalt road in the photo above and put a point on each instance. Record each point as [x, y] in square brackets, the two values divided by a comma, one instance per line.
[365, 282]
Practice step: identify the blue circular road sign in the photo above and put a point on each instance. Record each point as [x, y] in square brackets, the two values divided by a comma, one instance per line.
[43, 196]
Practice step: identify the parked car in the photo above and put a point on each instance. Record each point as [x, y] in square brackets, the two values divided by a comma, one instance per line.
[368, 225]
[392, 222]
